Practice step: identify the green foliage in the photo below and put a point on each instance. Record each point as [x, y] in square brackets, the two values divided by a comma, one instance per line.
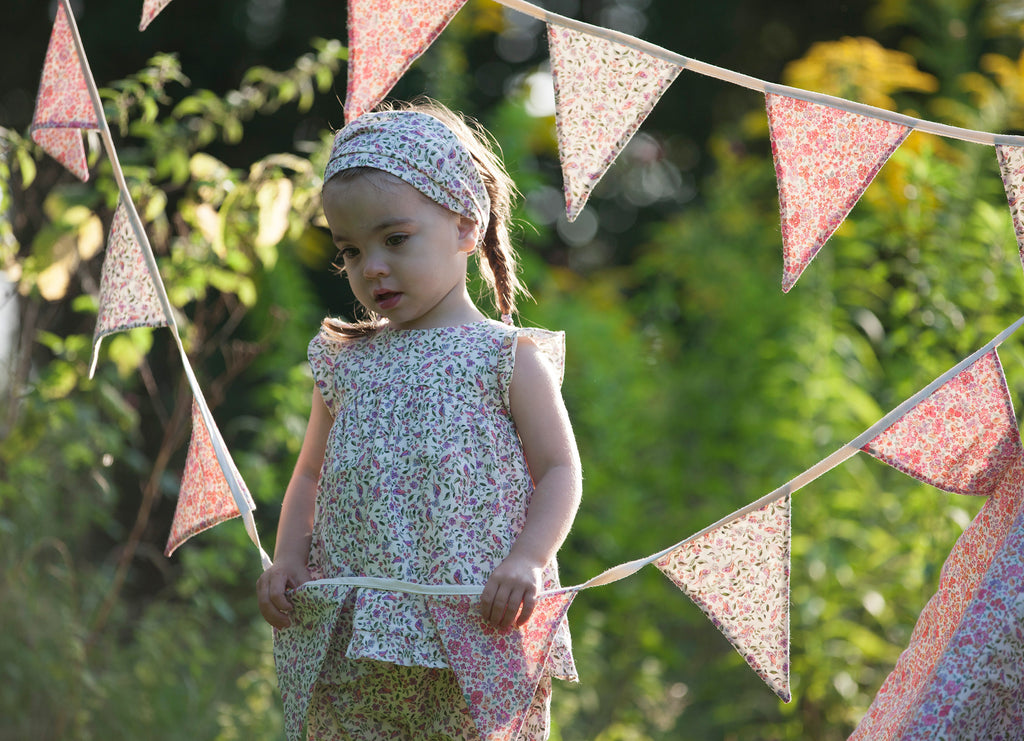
[694, 384]
[106, 638]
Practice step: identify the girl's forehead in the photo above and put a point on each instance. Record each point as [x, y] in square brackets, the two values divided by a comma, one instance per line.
[346, 182]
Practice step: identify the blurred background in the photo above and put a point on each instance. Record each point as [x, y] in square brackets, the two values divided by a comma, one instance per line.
[695, 385]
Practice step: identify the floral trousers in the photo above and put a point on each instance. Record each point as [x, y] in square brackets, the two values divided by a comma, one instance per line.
[366, 700]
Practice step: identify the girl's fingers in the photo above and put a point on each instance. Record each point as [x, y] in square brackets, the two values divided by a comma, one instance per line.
[505, 603]
[529, 605]
[273, 599]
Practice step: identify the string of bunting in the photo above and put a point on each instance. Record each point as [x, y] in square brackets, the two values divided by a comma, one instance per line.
[606, 83]
[132, 293]
[958, 434]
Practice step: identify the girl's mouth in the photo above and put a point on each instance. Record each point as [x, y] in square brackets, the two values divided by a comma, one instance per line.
[386, 299]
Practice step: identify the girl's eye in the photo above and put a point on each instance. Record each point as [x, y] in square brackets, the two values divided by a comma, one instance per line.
[395, 239]
[348, 253]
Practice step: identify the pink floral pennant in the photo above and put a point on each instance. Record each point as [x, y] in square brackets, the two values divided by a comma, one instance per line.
[962, 670]
[384, 38]
[603, 92]
[977, 687]
[1011, 167]
[128, 295]
[205, 499]
[498, 671]
[825, 158]
[738, 575]
[962, 437]
[63, 105]
[301, 648]
[150, 10]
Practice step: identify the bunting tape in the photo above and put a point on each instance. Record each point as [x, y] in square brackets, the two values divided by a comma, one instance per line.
[622, 570]
[245, 505]
[761, 86]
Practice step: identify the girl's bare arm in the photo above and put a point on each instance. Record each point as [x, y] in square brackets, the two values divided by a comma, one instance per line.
[550, 447]
[295, 528]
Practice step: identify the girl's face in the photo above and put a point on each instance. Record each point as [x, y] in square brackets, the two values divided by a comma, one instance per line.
[404, 255]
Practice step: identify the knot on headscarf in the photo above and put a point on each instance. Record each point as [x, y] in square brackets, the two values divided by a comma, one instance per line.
[420, 150]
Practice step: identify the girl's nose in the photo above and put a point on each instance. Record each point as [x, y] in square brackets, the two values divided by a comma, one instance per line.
[375, 266]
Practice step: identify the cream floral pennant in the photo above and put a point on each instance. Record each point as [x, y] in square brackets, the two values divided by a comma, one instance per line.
[603, 92]
[738, 575]
[825, 158]
[962, 437]
[498, 671]
[1011, 167]
[63, 105]
[301, 649]
[205, 499]
[128, 295]
[150, 10]
[384, 38]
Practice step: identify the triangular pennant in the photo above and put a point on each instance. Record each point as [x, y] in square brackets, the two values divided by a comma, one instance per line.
[738, 575]
[825, 158]
[901, 695]
[63, 105]
[128, 295]
[150, 10]
[384, 39]
[1011, 167]
[498, 671]
[977, 687]
[962, 437]
[205, 499]
[603, 92]
[299, 649]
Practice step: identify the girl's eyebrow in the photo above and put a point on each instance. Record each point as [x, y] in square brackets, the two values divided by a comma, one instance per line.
[382, 226]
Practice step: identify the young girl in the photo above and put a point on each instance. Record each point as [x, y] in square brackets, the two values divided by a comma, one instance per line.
[438, 450]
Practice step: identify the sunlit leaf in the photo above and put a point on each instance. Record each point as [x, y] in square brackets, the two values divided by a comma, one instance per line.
[274, 198]
[27, 166]
[128, 349]
[54, 278]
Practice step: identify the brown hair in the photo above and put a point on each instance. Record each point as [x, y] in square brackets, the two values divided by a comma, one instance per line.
[497, 257]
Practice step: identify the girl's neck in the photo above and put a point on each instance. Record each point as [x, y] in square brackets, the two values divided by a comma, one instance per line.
[455, 310]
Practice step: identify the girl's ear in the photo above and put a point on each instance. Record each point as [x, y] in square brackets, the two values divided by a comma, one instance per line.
[469, 234]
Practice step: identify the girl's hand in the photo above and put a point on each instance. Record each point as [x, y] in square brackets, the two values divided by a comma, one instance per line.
[511, 591]
[272, 588]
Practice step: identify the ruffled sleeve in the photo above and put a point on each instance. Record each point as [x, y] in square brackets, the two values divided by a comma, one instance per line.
[552, 347]
[323, 357]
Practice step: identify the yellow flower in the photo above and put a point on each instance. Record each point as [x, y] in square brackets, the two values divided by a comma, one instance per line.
[858, 69]
[1002, 90]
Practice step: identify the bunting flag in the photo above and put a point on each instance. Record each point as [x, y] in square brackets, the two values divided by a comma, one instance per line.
[738, 575]
[825, 158]
[1011, 167]
[63, 105]
[128, 295]
[959, 439]
[962, 438]
[205, 499]
[977, 689]
[300, 649]
[150, 10]
[498, 671]
[384, 38]
[603, 92]
[933, 655]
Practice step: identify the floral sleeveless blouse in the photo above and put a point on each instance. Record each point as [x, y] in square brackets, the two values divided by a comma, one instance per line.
[424, 478]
